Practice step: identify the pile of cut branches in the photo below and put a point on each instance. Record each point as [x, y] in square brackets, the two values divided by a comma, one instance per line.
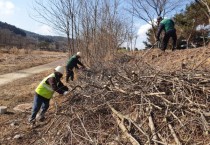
[124, 103]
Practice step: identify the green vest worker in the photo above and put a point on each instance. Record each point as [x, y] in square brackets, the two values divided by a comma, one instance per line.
[44, 92]
[71, 64]
[168, 26]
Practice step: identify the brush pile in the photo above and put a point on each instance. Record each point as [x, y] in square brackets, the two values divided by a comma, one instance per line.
[133, 103]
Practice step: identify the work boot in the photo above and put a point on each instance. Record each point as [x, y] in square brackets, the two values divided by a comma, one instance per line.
[42, 118]
[32, 121]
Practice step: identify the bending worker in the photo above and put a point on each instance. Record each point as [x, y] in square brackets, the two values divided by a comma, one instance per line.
[44, 92]
[168, 26]
[71, 64]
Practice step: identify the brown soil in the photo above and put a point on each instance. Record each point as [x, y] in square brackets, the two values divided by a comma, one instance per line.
[22, 91]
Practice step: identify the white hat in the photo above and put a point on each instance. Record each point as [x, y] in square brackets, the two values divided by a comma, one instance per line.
[79, 54]
[60, 69]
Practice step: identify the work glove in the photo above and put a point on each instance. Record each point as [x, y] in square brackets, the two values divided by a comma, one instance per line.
[65, 93]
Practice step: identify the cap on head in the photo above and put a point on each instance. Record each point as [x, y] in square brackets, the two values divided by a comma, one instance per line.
[79, 54]
[159, 18]
[60, 69]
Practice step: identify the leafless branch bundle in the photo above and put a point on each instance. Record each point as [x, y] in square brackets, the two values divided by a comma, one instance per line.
[128, 104]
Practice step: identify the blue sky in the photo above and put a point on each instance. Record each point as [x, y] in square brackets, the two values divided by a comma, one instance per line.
[18, 13]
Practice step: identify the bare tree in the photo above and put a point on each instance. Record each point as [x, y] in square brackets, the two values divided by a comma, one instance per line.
[103, 29]
[97, 25]
[59, 14]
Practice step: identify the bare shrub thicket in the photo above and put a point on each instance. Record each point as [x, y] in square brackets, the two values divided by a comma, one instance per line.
[9, 39]
[98, 28]
[120, 103]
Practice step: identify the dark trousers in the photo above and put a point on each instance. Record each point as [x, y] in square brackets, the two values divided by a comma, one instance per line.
[69, 73]
[168, 35]
[39, 102]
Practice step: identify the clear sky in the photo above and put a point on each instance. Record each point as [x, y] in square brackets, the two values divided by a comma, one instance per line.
[18, 13]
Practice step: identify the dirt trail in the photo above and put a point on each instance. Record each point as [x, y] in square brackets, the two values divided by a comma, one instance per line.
[10, 77]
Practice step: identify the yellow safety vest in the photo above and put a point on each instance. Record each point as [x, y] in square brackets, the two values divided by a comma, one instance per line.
[44, 89]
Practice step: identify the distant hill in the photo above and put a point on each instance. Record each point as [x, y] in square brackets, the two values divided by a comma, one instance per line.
[11, 35]
[12, 28]
[45, 37]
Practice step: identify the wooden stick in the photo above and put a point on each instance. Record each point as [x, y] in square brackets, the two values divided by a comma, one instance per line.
[152, 126]
[177, 118]
[205, 124]
[161, 137]
[174, 134]
[125, 131]
[119, 90]
[120, 121]
[83, 126]
[158, 93]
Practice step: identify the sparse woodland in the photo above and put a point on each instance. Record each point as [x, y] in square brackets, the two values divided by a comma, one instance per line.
[123, 99]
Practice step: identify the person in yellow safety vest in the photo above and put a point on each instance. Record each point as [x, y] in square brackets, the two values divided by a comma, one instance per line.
[44, 92]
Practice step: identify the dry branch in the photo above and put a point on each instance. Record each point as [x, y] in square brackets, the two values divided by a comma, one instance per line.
[120, 123]
[174, 134]
[87, 118]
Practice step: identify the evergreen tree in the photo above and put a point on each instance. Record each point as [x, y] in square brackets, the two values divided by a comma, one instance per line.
[187, 24]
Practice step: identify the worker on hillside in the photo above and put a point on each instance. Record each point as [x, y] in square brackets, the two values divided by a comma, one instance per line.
[71, 64]
[168, 26]
[44, 92]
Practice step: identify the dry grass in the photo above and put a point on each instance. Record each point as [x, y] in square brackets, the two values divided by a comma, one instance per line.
[16, 59]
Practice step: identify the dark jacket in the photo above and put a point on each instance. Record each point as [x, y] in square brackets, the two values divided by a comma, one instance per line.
[56, 83]
[72, 63]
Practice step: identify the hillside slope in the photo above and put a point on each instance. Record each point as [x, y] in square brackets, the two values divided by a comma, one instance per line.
[137, 98]
[198, 58]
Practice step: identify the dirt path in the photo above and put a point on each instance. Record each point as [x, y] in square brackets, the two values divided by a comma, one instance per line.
[7, 78]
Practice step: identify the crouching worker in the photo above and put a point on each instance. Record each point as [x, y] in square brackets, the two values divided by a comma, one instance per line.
[44, 92]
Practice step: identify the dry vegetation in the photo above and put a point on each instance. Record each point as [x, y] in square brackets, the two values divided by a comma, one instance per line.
[142, 98]
[16, 59]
